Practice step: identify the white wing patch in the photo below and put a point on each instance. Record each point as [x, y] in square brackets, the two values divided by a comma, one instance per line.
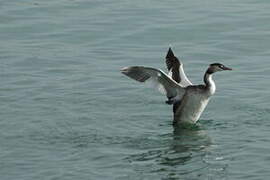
[153, 83]
[157, 79]
[184, 80]
[170, 73]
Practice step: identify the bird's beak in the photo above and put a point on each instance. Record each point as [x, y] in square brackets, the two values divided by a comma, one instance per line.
[227, 68]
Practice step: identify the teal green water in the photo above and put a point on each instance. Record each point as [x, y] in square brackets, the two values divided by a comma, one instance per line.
[66, 112]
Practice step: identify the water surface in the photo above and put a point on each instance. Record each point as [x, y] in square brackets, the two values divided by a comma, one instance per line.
[68, 113]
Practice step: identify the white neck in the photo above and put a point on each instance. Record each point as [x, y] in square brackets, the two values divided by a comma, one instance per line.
[210, 84]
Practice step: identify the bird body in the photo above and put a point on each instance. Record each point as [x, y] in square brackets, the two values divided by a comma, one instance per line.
[195, 100]
[189, 101]
[192, 105]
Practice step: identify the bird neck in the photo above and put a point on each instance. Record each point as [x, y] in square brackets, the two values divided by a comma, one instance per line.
[209, 83]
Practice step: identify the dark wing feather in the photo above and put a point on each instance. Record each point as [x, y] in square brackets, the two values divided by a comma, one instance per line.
[173, 65]
[170, 59]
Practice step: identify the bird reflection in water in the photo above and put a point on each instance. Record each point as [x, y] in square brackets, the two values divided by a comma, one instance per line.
[187, 143]
[176, 154]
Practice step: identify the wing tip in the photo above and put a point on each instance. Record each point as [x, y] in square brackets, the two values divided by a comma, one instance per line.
[170, 53]
[124, 70]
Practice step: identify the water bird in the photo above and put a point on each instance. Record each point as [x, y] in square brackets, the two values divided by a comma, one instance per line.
[189, 101]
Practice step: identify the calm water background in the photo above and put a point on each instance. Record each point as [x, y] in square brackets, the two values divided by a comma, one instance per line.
[67, 113]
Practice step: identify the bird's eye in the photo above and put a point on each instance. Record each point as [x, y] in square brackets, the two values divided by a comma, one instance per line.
[221, 66]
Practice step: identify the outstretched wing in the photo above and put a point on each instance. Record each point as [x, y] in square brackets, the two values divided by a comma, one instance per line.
[158, 78]
[175, 68]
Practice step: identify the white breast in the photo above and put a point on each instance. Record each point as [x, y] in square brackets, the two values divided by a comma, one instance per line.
[192, 107]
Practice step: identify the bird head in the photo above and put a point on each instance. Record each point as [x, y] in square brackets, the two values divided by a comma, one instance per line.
[215, 67]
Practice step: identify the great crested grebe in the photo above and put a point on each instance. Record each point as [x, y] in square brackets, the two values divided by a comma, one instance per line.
[189, 100]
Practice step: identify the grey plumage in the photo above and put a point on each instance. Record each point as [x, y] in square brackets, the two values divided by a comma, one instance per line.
[156, 78]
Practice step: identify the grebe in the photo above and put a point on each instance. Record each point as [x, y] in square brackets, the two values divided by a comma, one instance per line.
[189, 100]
